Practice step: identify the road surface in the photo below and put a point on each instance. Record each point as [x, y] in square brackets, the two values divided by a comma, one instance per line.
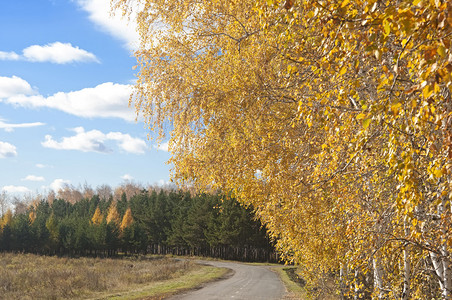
[248, 282]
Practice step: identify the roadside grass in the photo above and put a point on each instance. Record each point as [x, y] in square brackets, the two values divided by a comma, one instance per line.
[293, 286]
[161, 289]
[324, 289]
[28, 276]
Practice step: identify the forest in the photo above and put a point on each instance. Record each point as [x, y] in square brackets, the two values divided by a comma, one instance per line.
[149, 221]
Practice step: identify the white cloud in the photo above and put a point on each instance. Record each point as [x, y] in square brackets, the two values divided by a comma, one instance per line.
[58, 184]
[127, 177]
[14, 86]
[115, 25]
[7, 150]
[128, 143]
[106, 100]
[33, 178]
[13, 189]
[91, 141]
[94, 141]
[10, 127]
[59, 53]
[9, 56]
[162, 146]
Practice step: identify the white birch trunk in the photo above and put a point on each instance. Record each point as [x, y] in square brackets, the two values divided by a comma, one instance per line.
[447, 286]
[342, 281]
[447, 273]
[447, 280]
[378, 280]
[441, 264]
[407, 274]
[357, 286]
[406, 267]
[439, 269]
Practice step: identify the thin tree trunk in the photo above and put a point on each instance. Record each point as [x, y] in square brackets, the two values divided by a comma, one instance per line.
[406, 267]
[357, 286]
[378, 280]
[446, 272]
[407, 274]
[342, 281]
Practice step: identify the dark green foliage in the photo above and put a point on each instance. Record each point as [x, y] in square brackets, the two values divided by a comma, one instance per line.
[6, 239]
[163, 222]
[122, 204]
[23, 240]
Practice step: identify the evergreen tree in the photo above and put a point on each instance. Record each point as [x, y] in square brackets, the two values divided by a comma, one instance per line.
[180, 205]
[112, 240]
[122, 204]
[6, 238]
[197, 222]
[22, 236]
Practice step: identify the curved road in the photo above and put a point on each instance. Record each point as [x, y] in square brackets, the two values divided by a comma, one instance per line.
[248, 282]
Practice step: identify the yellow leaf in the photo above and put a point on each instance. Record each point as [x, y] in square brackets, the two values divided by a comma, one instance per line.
[344, 3]
[437, 172]
[343, 70]
[366, 123]
[360, 116]
[395, 108]
[436, 88]
[441, 51]
[427, 91]
[386, 27]
[404, 41]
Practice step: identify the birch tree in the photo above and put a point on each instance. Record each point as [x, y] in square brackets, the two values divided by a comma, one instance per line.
[332, 118]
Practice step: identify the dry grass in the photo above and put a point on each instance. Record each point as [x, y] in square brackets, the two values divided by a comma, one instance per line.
[27, 276]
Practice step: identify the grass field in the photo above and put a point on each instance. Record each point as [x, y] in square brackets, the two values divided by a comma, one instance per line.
[27, 276]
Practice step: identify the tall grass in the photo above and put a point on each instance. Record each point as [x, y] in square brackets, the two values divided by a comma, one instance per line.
[27, 276]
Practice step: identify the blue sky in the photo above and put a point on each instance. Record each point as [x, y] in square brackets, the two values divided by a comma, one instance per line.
[65, 78]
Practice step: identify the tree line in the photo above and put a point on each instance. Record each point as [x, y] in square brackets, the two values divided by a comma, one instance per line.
[164, 222]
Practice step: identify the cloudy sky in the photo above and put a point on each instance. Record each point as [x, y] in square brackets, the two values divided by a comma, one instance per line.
[65, 75]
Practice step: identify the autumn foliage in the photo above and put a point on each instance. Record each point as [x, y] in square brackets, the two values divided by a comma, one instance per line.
[333, 118]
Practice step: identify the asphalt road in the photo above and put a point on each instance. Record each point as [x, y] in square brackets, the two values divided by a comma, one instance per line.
[248, 282]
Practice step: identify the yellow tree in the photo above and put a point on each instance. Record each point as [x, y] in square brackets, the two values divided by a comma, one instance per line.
[6, 218]
[52, 227]
[127, 219]
[333, 118]
[113, 215]
[97, 217]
